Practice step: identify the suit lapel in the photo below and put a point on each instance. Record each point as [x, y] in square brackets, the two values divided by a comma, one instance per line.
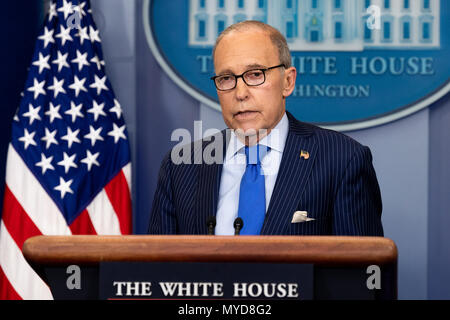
[207, 194]
[208, 183]
[292, 177]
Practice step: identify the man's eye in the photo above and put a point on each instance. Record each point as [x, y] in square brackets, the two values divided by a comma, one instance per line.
[255, 74]
[225, 78]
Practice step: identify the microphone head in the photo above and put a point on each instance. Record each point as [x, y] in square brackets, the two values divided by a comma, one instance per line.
[238, 223]
[211, 221]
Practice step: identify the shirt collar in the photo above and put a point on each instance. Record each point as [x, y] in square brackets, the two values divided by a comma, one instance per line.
[275, 140]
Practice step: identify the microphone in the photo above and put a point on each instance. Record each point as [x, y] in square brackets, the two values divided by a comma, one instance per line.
[238, 225]
[211, 223]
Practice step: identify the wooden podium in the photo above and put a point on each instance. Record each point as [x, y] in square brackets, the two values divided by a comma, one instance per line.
[340, 264]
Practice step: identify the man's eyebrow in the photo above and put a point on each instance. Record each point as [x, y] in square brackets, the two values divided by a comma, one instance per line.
[247, 67]
[226, 71]
[255, 66]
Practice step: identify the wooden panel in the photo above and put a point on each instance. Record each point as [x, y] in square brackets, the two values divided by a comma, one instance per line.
[327, 250]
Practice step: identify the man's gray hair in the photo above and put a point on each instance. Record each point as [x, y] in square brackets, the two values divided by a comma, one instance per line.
[278, 40]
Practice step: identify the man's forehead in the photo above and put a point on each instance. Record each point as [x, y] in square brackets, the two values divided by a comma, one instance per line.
[244, 50]
[250, 33]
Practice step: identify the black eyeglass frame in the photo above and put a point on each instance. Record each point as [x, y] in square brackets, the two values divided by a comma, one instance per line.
[236, 77]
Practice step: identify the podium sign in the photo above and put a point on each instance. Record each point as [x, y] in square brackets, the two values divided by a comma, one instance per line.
[205, 281]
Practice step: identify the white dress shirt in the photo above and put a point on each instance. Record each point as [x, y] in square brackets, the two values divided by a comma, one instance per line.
[234, 168]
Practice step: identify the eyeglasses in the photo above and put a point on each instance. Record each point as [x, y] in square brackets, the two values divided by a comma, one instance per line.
[254, 77]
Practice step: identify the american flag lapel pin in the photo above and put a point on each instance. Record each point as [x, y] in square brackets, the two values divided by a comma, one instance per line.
[304, 154]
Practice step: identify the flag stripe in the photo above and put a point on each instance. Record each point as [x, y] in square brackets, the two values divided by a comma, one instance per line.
[16, 220]
[127, 172]
[7, 291]
[119, 195]
[83, 224]
[32, 197]
[103, 216]
[18, 271]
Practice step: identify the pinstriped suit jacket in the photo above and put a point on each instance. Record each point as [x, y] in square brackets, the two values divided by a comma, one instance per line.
[336, 185]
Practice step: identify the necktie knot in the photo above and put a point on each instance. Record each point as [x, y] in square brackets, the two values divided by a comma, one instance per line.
[255, 153]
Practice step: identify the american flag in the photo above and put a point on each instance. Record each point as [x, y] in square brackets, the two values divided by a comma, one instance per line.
[68, 167]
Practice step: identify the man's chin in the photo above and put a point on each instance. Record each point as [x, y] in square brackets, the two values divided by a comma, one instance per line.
[247, 132]
[250, 135]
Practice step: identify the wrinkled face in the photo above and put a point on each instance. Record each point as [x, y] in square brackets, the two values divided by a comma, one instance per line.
[251, 108]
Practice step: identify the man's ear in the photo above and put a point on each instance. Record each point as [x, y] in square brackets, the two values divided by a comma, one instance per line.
[290, 76]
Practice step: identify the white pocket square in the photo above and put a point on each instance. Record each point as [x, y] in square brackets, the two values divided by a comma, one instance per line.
[301, 216]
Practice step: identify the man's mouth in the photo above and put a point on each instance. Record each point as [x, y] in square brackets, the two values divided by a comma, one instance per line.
[245, 115]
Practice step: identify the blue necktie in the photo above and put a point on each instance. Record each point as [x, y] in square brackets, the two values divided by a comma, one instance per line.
[252, 194]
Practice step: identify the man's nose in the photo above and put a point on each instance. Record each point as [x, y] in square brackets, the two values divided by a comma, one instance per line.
[241, 89]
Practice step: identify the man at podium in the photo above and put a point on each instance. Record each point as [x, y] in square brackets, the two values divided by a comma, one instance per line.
[275, 175]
